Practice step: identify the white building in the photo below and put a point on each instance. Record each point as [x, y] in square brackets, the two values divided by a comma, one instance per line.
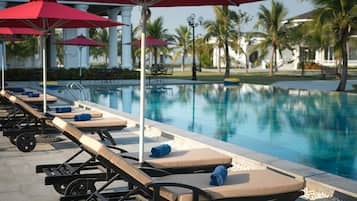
[71, 53]
[289, 59]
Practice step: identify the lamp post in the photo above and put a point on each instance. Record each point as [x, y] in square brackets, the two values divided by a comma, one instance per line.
[193, 22]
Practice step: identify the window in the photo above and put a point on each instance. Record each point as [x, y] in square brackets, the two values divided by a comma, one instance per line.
[352, 53]
[328, 54]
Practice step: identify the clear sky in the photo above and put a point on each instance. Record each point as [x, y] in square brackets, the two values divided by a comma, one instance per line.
[174, 17]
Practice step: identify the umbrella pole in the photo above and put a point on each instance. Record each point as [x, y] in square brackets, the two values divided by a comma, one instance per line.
[3, 66]
[44, 73]
[142, 83]
[80, 64]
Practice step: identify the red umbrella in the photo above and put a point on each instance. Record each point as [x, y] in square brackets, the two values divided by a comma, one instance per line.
[145, 4]
[150, 41]
[11, 31]
[81, 41]
[46, 15]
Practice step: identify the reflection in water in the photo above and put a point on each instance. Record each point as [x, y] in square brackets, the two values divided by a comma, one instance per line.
[310, 127]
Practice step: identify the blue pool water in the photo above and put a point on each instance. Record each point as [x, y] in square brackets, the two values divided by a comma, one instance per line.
[318, 129]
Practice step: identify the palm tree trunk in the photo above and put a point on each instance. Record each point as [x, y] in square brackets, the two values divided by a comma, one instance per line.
[246, 62]
[272, 61]
[275, 60]
[183, 62]
[219, 60]
[228, 63]
[344, 73]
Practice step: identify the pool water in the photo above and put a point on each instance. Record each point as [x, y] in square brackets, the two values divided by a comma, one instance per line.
[318, 129]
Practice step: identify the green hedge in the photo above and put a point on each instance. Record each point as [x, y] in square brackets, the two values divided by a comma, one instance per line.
[35, 74]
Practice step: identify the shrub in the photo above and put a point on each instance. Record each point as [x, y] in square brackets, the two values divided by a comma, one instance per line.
[35, 74]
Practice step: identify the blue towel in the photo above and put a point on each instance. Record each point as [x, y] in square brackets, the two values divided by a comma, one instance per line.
[218, 176]
[33, 95]
[26, 93]
[6, 84]
[82, 117]
[160, 151]
[16, 90]
[63, 109]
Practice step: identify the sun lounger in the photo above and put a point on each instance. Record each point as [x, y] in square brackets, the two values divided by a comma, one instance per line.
[39, 99]
[240, 185]
[36, 122]
[74, 112]
[188, 161]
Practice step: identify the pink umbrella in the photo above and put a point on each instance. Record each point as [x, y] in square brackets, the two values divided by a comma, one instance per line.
[45, 15]
[150, 41]
[145, 4]
[81, 41]
[8, 32]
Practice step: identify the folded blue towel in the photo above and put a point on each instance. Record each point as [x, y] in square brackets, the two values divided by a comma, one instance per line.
[218, 176]
[33, 95]
[63, 109]
[16, 90]
[82, 117]
[26, 93]
[160, 151]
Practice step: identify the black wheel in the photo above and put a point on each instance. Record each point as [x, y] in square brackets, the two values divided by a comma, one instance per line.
[12, 139]
[80, 187]
[26, 142]
[60, 188]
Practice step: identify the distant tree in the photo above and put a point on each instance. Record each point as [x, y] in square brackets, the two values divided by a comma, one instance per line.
[182, 38]
[341, 17]
[156, 30]
[100, 35]
[274, 31]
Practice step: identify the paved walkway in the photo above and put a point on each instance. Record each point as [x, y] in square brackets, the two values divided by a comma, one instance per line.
[323, 85]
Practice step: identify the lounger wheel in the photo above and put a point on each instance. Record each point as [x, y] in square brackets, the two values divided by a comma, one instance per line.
[26, 142]
[80, 187]
[60, 188]
[12, 139]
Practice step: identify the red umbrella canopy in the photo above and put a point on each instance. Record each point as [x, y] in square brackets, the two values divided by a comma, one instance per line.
[81, 41]
[171, 3]
[48, 14]
[12, 31]
[150, 41]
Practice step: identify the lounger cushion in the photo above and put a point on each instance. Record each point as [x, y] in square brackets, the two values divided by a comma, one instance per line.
[97, 148]
[238, 184]
[188, 158]
[70, 115]
[64, 126]
[39, 99]
[102, 122]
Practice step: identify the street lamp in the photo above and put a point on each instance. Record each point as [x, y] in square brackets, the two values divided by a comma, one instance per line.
[193, 22]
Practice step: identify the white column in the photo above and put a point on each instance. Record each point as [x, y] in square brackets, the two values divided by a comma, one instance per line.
[126, 37]
[113, 39]
[53, 56]
[70, 53]
[84, 32]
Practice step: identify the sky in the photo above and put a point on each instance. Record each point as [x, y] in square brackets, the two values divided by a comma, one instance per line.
[174, 17]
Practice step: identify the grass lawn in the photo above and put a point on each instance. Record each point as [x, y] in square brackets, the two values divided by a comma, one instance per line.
[252, 78]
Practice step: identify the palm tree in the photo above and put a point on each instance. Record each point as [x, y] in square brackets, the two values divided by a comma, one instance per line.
[100, 35]
[274, 32]
[215, 30]
[341, 17]
[156, 30]
[182, 38]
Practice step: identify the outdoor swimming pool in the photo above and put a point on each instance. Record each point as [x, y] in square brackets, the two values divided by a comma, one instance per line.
[318, 129]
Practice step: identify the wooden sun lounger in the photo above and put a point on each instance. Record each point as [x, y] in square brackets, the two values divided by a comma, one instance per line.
[240, 185]
[188, 161]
